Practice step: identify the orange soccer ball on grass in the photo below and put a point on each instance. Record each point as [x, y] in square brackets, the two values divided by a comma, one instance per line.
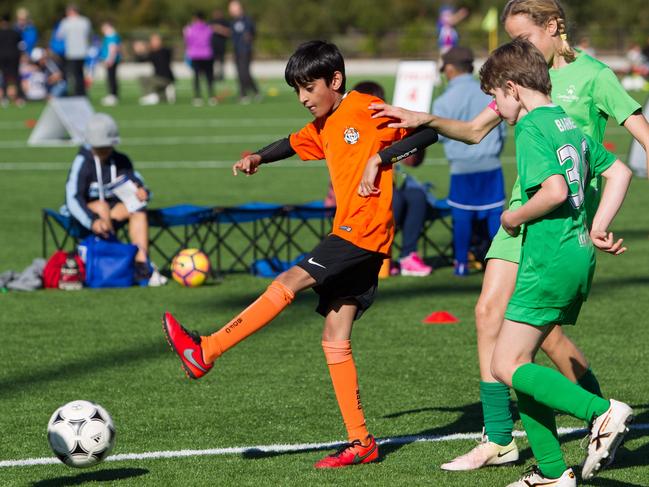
[190, 267]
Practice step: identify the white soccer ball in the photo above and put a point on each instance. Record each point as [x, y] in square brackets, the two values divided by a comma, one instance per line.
[81, 433]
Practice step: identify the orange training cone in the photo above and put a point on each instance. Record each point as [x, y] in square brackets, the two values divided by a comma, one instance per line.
[440, 318]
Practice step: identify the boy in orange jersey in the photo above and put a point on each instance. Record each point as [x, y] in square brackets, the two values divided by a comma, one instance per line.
[343, 269]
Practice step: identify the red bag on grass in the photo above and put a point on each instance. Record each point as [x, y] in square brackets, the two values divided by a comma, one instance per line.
[64, 270]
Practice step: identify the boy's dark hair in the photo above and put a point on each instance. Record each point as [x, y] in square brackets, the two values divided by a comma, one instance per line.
[314, 60]
[518, 61]
[370, 88]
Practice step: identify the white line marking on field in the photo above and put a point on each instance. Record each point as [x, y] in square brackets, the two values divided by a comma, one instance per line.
[281, 448]
[64, 166]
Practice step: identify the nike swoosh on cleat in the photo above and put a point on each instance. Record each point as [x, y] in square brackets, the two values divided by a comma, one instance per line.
[500, 455]
[358, 458]
[311, 261]
[189, 356]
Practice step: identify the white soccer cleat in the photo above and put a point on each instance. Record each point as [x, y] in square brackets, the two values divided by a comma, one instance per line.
[485, 454]
[150, 99]
[534, 478]
[606, 434]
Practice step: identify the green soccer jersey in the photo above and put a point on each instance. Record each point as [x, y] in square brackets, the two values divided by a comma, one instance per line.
[557, 260]
[590, 93]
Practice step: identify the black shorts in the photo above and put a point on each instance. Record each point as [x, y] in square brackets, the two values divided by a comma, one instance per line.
[343, 271]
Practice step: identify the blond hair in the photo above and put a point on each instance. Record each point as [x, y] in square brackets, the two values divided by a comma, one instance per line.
[540, 13]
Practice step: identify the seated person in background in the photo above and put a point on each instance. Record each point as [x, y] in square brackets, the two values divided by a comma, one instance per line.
[160, 85]
[44, 78]
[477, 185]
[409, 205]
[88, 191]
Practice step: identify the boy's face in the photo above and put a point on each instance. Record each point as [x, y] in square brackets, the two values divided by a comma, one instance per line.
[508, 105]
[102, 152]
[542, 37]
[318, 97]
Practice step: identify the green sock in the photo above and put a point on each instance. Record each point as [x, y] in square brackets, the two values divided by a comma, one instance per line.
[589, 382]
[541, 429]
[498, 420]
[551, 388]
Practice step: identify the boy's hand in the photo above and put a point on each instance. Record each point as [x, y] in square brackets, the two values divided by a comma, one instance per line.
[407, 118]
[509, 223]
[101, 227]
[142, 194]
[367, 188]
[248, 164]
[605, 242]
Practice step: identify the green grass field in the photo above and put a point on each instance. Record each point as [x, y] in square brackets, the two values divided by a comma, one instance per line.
[107, 346]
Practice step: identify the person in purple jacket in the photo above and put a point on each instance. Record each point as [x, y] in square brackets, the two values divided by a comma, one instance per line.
[198, 49]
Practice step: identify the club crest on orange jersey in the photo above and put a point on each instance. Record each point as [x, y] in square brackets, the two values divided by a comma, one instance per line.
[351, 135]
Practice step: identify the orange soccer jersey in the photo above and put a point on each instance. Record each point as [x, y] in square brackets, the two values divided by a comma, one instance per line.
[347, 139]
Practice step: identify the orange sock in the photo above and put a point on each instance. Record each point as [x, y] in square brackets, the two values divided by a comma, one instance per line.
[254, 317]
[345, 381]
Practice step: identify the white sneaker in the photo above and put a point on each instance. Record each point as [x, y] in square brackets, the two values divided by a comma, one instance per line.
[170, 93]
[109, 101]
[198, 102]
[535, 478]
[605, 436]
[486, 453]
[156, 279]
[150, 99]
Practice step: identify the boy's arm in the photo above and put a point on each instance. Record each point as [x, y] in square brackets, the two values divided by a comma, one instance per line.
[278, 150]
[552, 194]
[618, 177]
[469, 132]
[419, 139]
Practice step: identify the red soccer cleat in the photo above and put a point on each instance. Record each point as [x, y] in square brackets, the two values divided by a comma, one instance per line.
[352, 454]
[188, 347]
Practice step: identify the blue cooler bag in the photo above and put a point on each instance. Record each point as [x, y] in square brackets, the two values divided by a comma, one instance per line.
[109, 263]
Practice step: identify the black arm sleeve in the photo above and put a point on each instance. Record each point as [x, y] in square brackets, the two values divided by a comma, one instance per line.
[278, 150]
[419, 139]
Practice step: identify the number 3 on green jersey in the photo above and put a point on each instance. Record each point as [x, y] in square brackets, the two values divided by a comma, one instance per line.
[576, 167]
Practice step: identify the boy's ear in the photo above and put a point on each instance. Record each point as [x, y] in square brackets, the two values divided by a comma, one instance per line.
[337, 80]
[512, 89]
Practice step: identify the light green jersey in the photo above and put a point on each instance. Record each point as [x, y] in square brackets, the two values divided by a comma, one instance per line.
[557, 260]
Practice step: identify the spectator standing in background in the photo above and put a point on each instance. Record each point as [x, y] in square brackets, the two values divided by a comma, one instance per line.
[161, 83]
[27, 30]
[477, 185]
[111, 55]
[56, 44]
[198, 46]
[448, 37]
[10, 42]
[220, 34]
[243, 36]
[75, 31]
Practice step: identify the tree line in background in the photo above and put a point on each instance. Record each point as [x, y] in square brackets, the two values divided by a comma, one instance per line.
[390, 28]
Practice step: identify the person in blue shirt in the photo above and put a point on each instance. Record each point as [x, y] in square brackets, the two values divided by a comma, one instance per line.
[27, 30]
[111, 55]
[477, 187]
[243, 34]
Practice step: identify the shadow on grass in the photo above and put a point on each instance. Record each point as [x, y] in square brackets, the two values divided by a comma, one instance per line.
[469, 421]
[109, 475]
[99, 362]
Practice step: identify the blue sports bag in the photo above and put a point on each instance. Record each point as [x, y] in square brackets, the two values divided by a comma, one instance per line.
[109, 262]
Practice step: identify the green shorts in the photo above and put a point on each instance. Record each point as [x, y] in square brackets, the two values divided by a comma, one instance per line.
[561, 315]
[505, 247]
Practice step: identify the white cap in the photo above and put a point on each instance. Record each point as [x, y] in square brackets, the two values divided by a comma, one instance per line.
[101, 131]
[37, 54]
